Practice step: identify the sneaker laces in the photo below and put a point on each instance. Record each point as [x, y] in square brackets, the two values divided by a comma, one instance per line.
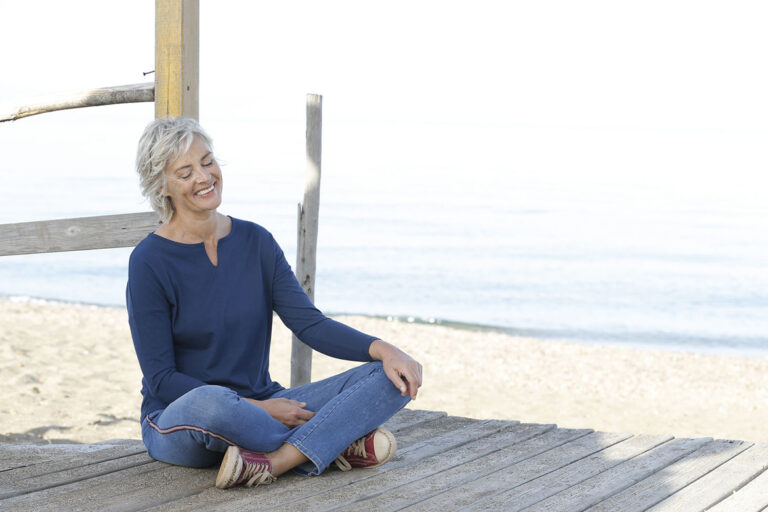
[257, 474]
[356, 449]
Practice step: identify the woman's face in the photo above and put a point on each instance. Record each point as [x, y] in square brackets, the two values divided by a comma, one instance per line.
[193, 181]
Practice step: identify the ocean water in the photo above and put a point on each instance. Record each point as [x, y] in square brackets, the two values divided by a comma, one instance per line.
[447, 225]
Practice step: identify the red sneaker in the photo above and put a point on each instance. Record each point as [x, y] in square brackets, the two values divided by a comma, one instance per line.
[241, 465]
[371, 450]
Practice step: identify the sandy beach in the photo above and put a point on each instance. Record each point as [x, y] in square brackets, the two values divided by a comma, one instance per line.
[69, 374]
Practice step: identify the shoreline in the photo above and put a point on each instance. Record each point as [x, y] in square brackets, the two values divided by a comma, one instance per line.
[682, 345]
[71, 375]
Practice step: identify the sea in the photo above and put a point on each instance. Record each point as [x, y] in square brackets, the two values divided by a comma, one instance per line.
[444, 224]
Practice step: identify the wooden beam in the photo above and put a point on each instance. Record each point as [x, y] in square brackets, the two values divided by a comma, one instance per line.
[103, 232]
[306, 251]
[177, 46]
[133, 93]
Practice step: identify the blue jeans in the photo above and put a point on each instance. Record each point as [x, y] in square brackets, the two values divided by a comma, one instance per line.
[197, 428]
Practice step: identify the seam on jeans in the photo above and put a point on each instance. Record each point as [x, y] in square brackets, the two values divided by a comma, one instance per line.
[312, 456]
[180, 428]
[298, 441]
[328, 413]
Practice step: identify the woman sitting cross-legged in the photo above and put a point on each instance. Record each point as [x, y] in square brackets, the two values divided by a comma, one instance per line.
[201, 292]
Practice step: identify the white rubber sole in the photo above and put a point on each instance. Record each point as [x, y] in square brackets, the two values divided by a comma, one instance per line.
[230, 468]
[392, 447]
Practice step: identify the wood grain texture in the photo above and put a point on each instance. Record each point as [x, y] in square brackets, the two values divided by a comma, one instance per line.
[672, 478]
[102, 232]
[308, 221]
[177, 49]
[134, 93]
[718, 484]
[619, 477]
[753, 497]
[539, 476]
[474, 461]
[445, 463]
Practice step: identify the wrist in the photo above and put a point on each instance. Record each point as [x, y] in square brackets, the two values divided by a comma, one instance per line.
[378, 349]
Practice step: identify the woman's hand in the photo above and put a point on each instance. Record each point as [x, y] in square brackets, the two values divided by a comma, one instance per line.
[402, 369]
[288, 412]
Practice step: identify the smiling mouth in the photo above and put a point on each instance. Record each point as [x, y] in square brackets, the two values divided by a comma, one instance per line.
[205, 191]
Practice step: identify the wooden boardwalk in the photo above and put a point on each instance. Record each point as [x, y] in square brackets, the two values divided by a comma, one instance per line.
[444, 463]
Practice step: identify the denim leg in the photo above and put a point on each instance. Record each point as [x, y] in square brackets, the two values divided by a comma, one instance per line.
[198, 427]
[347, 406]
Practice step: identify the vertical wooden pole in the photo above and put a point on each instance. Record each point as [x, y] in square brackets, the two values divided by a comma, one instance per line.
[306, 251]
[177, 45]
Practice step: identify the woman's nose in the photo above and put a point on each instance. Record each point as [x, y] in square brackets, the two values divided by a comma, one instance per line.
[202, 175]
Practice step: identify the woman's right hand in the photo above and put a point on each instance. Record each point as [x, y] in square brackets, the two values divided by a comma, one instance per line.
[288, 412]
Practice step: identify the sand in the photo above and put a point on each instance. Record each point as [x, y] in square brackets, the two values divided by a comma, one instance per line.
[69, 374]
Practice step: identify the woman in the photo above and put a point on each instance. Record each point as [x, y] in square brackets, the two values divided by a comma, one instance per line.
[200, 296]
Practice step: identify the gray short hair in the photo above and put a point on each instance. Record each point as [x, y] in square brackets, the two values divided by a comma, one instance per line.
[163, 141]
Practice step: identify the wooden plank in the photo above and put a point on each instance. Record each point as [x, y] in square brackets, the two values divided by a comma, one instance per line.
[409, 418]
[434, 475]
[753, 497]
[14, 456]
[70, 475]
[134, 93]
[183, 494]
[528, 474]
[177, 49]
[719, 483]
[617, 478]
[308, 220]
[292, 488]
[32, 461]
[102, 232]
[663, 484]
[95, 492]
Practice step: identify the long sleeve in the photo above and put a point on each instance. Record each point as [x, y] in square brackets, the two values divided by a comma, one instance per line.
[310, 325]
[149, 316]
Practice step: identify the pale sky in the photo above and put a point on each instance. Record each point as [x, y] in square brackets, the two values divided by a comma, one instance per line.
[675, 90]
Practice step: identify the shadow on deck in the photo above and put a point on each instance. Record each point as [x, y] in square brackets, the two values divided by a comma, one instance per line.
[443, 463]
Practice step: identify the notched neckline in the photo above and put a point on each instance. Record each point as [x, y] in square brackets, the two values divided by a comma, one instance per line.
[201, 245]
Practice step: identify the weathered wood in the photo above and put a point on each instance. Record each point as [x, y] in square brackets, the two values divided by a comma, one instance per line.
[134, 93]
[26, 462]
[409, 418]
[719, 483]
[71, 475]
[95, 492]
[294, 489]
[411, 431]
[665, 483]
[308, 217]
[177, 49]
[446, 463]
[397, 489]
[618, 478]
[753, 497]
[102, 232]
[531, 475]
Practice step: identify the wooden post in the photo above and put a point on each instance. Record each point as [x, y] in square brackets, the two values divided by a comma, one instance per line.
[306, 250]
[177, 45]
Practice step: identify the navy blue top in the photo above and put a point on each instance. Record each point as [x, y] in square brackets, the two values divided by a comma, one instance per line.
[194, 323]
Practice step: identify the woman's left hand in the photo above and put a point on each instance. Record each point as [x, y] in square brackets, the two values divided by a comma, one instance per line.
[403, 370]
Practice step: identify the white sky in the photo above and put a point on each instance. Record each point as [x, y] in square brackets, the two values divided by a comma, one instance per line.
[622, 89]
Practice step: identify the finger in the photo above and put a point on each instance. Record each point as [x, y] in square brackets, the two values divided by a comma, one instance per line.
[413, 389]
[304, 414]
[412, 382]
[394, 376]
[297, 403]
